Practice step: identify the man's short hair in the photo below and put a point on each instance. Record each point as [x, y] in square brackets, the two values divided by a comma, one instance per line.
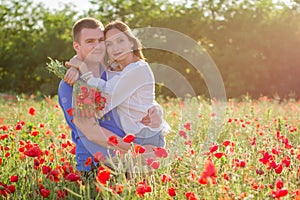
[87, 22]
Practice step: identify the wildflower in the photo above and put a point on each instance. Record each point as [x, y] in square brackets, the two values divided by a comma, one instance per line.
[190, 196]
[72, 177]
[113, 141]
[187, 126]
[88, 162]
[54, 175]
[278, 168]
[142, 188]
[172, 192]
[286, 161]
[153, 163]
[129, 138]
[279, 184]
[165, 178]
[138, 149]
[280, 193]
[46, 169]
[98, 156]
[31, 111]
[182, 134]
[161, 152]
[34, 151]
[44, 192]
[103, 175]
[219, 154]
[213, 148]
[208, 172]
[70, 111]
[11, 188]
[61, 194]
[118, 188]
[14, 178]
[18, 127]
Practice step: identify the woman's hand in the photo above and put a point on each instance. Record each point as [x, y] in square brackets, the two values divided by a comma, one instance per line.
[71, 76]
[77, 64]
[154, 117]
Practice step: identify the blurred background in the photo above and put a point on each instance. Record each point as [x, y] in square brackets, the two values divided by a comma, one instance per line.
[255, 44]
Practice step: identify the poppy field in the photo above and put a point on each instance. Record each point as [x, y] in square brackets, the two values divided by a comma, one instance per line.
[253, 154]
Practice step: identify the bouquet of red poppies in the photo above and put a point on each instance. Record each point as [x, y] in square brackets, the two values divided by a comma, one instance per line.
[88, 101]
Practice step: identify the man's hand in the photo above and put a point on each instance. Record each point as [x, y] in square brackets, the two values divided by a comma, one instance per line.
[154, 117]
[71, 76]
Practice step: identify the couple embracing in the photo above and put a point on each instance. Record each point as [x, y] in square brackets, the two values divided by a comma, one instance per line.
[110, 58]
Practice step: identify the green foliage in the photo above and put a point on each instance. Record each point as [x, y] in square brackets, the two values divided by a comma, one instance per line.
[57, 68]
[250, 128]
[253, 43]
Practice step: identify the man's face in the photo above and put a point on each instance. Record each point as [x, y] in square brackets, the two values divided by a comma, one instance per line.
[91, 46]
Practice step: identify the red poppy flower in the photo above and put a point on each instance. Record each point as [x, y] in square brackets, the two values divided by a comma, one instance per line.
[113, 141]
[88, 162]
[46, 169]
[161, 152]
[226, 143]
[187, 126]
[142, 188]
[73, 150]
[138, 149]
[103, 175]
[208, 172]
[34, 133]
[219, 154]
[54, 175]
[213, 148]
[153, 163]
[18, 127]
[165, 178]
[172, 192]
[286, 161]
[279, 168]
[44, 192]
[70, 111]
[190, 196]
[280, 193]
[72, 177]
[118, 189]
[182, 134]
[34, 151]
[129, 138]
[31, 111]
[98, 156]
[14, 178]
[11, 188]
[279, 184]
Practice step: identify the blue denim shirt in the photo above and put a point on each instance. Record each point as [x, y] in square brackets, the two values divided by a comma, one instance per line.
[84, 147]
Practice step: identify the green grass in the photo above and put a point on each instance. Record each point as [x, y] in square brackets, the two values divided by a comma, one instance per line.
[251, 127]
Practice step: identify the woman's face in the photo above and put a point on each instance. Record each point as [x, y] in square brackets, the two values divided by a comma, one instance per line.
[118, 46]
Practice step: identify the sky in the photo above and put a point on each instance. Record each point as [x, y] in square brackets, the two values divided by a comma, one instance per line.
[84, 5]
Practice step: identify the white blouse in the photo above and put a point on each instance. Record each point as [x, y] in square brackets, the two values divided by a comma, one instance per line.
[132, 91]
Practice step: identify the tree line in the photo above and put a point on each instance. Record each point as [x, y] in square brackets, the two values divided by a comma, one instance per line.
[254, 44]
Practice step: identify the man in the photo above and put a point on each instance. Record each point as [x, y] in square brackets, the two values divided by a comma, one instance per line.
[88, 42]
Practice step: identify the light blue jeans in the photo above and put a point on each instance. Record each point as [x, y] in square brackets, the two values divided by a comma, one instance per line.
[149, 137]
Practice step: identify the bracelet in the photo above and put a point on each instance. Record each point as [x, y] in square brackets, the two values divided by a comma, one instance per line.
[86, 76]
